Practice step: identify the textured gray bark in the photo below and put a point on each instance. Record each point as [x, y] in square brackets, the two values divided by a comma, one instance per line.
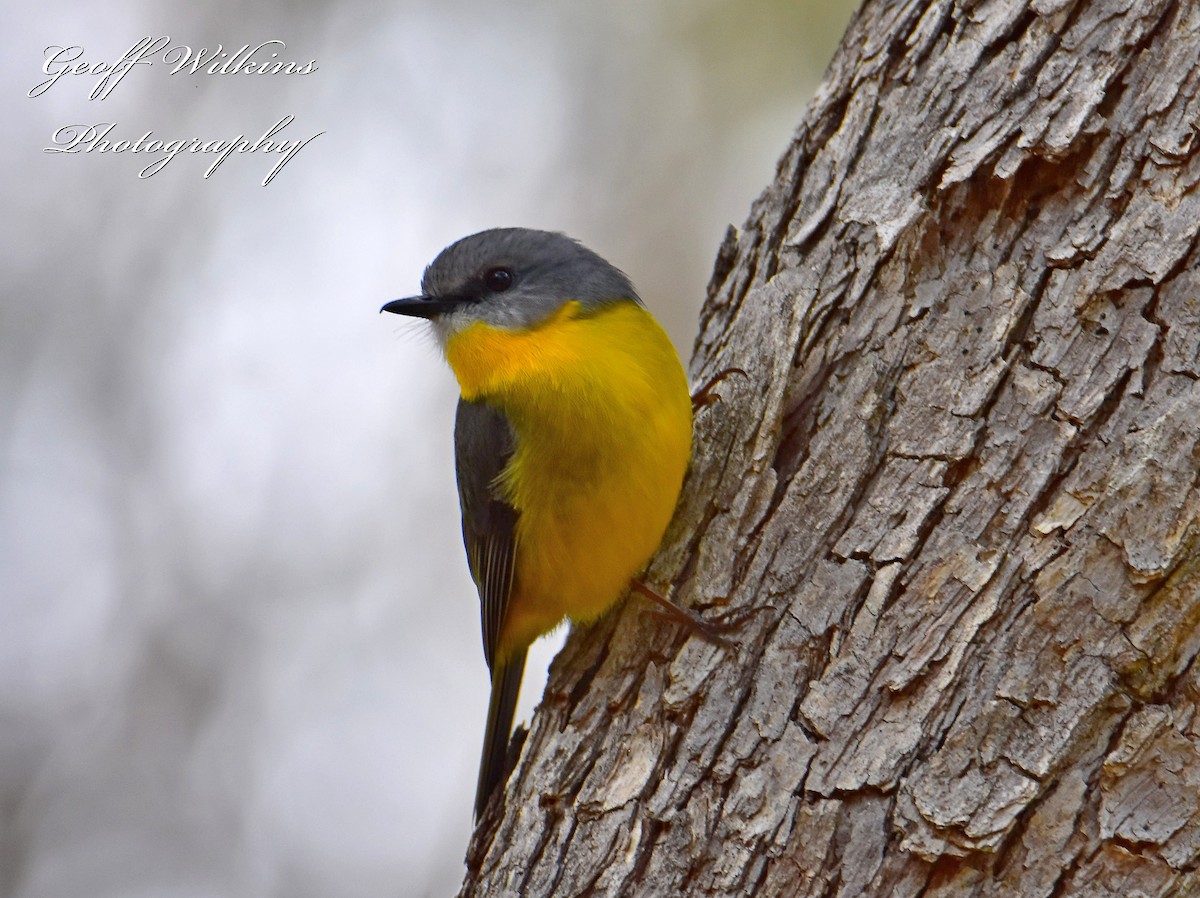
[961, 482]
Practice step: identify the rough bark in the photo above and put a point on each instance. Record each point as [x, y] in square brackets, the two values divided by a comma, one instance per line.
[959, 491]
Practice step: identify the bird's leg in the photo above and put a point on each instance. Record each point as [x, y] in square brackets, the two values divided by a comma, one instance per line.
[707, 630]
[706, 395]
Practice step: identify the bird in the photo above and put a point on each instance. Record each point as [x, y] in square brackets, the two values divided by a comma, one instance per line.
[572, 438]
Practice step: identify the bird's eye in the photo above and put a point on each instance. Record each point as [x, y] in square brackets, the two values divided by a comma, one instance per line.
[498, 279]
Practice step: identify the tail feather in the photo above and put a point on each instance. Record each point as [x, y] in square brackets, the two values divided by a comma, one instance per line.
[506, 686]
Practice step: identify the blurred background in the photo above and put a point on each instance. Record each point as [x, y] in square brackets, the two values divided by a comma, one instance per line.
[239, 647]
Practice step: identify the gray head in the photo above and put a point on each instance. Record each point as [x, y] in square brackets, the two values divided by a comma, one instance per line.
[511, 278]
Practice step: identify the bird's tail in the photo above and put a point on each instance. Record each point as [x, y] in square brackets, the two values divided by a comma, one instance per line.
[506, 686]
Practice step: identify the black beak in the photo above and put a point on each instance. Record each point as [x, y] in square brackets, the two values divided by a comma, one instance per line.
[420, 306]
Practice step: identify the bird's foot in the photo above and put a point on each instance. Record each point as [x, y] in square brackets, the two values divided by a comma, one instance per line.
[708, 630]
[707, 395]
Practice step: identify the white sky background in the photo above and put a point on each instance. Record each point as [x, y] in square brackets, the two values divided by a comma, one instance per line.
[239, 647]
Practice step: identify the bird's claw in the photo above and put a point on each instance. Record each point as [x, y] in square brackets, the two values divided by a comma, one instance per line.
[706, 395]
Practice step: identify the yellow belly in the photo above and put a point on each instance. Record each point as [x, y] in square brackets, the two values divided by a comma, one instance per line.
[603, 421]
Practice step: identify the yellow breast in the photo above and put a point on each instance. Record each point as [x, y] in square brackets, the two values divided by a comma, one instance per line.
[602, 415]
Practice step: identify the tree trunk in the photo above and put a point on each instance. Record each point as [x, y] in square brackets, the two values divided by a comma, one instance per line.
[957, 498]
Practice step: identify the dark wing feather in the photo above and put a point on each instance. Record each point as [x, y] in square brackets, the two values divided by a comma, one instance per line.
[483, 444]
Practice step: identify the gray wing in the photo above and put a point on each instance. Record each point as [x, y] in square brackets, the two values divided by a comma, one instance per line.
[483, 444]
